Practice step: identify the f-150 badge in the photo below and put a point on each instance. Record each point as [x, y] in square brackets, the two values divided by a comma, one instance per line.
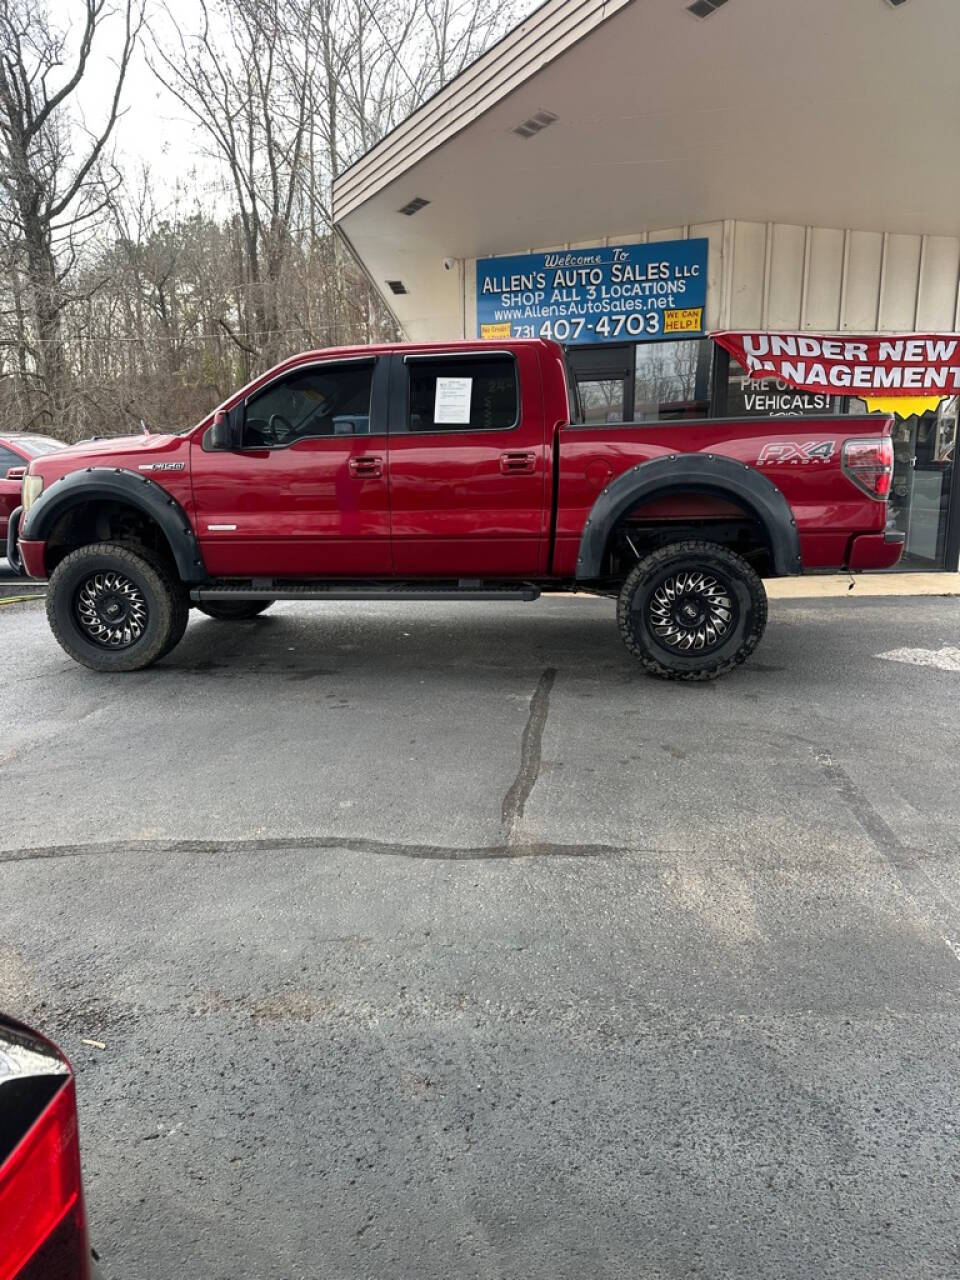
[160, 466]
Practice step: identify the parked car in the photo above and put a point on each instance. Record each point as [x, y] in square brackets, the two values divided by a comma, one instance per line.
[43, 1225]
[16, 453]
[449, 471]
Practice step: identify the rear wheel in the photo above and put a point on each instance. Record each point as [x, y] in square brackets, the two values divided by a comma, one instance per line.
[692, 611]
[115, 609]
[233, 610]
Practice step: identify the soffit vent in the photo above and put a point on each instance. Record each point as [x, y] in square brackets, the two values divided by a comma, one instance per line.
[539, 121]
[396, 286]
[414, 206]
[704, 8]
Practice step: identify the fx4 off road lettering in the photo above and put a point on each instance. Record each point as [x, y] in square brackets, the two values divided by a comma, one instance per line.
[441, 472]
[788, 451]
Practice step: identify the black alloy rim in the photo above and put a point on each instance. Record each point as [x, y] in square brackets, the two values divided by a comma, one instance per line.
[111, 610]
[691, 612]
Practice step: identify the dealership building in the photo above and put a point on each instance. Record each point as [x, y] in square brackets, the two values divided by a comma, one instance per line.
[677, 189]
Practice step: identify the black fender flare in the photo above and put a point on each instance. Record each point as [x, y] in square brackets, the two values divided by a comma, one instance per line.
[680, 472]
[114, 484]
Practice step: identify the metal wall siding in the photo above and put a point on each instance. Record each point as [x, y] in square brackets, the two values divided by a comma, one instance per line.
[937, 304]
[901, 277]
[862, 292]
[785, 285]
[748, 275]
[712, 231]
[828, 280]
[825, 280]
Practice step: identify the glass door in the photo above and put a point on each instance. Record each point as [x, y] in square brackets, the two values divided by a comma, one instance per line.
[934, 443]
[605, 381]
[924, 468]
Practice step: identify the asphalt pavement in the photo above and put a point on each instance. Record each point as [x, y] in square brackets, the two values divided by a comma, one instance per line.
[430, 941]
[13, 584]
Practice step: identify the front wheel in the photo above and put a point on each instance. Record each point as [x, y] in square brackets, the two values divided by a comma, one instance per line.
[113, 609]
[233, 610]
[692, 611]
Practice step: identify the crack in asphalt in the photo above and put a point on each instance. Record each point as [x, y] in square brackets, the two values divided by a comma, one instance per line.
[350, 844]
[531, 743]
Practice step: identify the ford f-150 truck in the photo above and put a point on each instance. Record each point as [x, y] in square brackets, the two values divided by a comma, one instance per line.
[448, 471]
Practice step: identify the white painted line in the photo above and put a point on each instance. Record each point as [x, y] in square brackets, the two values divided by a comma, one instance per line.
[945, 659]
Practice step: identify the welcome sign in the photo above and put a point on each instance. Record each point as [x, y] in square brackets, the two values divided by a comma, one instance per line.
[621, 293]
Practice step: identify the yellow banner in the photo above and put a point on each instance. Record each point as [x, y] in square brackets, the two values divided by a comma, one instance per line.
[689, 321]
[495, 330]
[904, 407]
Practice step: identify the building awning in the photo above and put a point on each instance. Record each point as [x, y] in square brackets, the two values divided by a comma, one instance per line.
[597, 120]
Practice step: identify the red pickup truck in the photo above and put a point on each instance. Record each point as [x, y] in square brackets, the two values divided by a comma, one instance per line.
[448, 471]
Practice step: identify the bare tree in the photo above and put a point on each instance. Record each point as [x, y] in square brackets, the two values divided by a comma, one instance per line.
[118, 299]
[246, 81]
[52, 178]
[392, 57]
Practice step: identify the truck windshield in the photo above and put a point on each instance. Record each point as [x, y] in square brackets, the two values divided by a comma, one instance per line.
[35, 446]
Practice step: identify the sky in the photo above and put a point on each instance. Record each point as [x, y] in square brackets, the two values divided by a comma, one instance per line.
[155, 129]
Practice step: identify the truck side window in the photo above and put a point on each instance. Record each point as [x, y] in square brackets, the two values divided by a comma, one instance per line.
[475, 394]
[319, 401]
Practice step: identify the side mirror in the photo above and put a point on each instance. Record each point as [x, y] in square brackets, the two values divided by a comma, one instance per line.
[226, 431]
[16, 473]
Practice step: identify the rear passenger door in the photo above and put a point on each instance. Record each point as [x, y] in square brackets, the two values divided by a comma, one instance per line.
[468, 464]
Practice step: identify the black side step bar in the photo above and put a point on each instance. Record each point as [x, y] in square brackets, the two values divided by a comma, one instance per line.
[279, 589]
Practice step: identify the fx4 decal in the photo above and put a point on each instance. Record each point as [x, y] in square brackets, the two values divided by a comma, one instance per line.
[160, 466]
[790, 451]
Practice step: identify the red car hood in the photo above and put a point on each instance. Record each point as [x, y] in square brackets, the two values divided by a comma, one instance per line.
[130, 452]
[114, 445]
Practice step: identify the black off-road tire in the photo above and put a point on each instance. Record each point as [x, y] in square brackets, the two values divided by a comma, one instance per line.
[638, 606]
[164, 600]
[233, 610]
[167, 570]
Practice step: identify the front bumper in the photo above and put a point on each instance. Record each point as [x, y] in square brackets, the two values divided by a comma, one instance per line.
[25, 558]
[876, 550]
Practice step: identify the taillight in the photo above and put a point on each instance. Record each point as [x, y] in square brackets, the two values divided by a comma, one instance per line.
[43, 1232]
[869, 464]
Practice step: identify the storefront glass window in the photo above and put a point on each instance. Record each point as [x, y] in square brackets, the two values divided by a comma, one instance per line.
[747, 398]
[672, 380]
[924, 452]
[601, 400]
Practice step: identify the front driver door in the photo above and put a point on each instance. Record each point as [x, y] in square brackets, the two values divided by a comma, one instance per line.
[306, 495]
